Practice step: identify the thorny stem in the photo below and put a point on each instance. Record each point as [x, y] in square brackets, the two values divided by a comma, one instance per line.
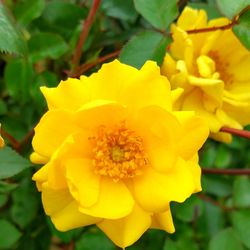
[231, 171]
[238, 132]
[84, 34]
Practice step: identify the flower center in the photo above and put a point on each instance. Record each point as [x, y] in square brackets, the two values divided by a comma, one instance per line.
[222, 68]
[118, 152]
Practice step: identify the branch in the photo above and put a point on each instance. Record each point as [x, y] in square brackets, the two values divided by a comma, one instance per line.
[238, 132]
[84, 34]
[13, 142]
[85, 67]
[215, 203]
[226, 171]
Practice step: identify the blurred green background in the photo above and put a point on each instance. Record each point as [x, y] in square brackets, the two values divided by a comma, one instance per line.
[37, 40]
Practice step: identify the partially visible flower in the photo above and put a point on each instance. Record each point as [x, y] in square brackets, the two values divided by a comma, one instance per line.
[1, 140]
[115, 154]
[213, 69]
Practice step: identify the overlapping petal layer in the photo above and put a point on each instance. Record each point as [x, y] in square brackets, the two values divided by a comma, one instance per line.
[115, 153]
[212, 68]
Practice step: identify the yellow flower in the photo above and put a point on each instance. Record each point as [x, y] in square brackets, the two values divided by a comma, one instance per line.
[1, 140]
[213, 69]
[115, 155]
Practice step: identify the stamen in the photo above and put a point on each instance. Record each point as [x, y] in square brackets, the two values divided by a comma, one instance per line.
[118, 152]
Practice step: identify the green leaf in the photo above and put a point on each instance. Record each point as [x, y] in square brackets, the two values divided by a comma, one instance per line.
[241, 194]
[3, 199]
[214, 219]
[223, 157]
[22, 212]
[231, 8]
[242, 30]
[11, 40]
[120, 9]
[11, 163]
[208, 154]
[225, 239]
[94, 239]
[28, 10]
[170, 245]
[18, 76]
[9, 235]
[147, 45]
[61, 17]
[6, 187]
[241, 225]
[216, 185]
[46, 45]
[160, 13]
[188, 210]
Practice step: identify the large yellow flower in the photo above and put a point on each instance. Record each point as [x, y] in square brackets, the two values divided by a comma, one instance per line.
[114, 153]
[213, 69]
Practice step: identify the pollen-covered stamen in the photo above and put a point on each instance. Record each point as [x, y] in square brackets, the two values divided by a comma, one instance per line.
[222, 68]
[118, 152]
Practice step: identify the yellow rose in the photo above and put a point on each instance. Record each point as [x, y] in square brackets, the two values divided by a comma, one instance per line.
[213, 69]
[1, 140]
[115, 155]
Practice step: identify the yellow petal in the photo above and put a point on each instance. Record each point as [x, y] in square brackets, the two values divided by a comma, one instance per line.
[194, 102]
[196, 130]
[125, 231]
[192, 19]
[226, 120]
[99, 112]
[163, 221]
[177, 185]
[168, 67]
[206, 66]
[38, 159]
[159, 130]
[222, 137]
[41, 176]
[115, 201]
[64, 210]
[70, 95]
[51, 131]
[83, 183]
[125, 82]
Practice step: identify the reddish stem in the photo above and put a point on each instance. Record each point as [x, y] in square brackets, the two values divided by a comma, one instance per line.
[84, 33]
[215, 203]
[13, 142]
[226, 171]
[83, 68]
[210, 29]
[238, 132]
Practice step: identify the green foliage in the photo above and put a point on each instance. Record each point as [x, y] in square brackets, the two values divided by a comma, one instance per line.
[9, 234]
[241, 194]
[28, 10]
[242, 30]
[94, 239]
[231, 8]
[46, 45]
[147, 45]
[159, 13]
[11, 163]
[225, 239]
[11, 40]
